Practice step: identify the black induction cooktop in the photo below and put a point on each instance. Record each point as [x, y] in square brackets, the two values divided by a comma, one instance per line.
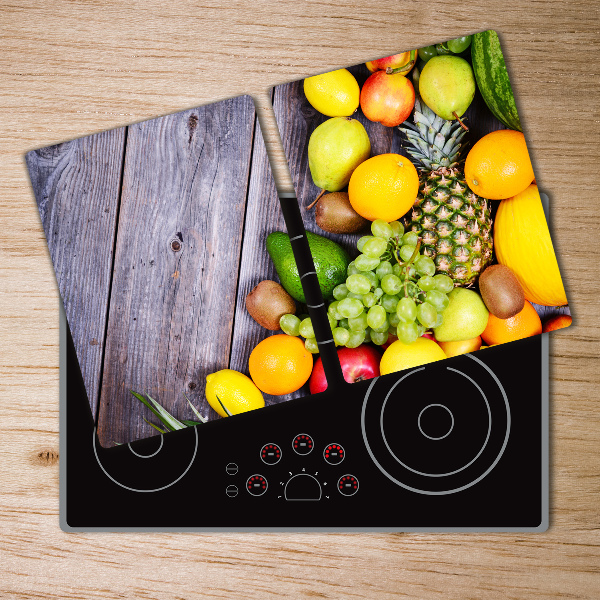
[456, 445]
[159, 235]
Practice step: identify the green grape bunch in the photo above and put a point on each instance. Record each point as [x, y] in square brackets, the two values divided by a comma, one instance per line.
[390, 289]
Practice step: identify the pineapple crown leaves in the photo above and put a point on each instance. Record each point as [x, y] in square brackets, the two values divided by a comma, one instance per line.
[435, 141]
[166, 418]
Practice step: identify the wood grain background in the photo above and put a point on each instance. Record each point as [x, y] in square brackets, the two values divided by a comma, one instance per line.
[71, 68]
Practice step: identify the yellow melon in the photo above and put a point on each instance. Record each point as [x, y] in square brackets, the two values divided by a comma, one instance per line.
[522, 243]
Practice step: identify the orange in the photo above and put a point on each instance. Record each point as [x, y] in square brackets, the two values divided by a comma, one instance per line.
[522, 325]
[556, 322]
[280, 365]
[498, 165]
[383, 187]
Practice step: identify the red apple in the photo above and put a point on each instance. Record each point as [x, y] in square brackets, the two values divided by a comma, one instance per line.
[357, 364]
[387, 99]
[556, 322]
[392, 62]
[390, 341]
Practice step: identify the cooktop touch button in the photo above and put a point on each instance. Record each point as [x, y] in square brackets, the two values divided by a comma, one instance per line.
[347, 485]
[303, 444]
[270, 454]
[334, 454]
[256, 485]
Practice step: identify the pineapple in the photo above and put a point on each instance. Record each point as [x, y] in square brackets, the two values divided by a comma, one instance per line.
[455, 224]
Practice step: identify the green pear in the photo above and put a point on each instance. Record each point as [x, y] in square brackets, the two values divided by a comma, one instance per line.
[447, 86]
[335, 149]
[465, 317]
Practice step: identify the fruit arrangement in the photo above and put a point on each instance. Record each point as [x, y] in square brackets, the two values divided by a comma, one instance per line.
[442, 247]
[459, 246]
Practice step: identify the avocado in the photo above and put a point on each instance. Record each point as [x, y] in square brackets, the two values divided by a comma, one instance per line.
[331, 263]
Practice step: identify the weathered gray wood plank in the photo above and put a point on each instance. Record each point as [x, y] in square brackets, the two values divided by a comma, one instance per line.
[176, 264]
[263, 216]
[76, 187]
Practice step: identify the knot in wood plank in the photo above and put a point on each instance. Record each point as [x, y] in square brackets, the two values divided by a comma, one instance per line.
[46, 458]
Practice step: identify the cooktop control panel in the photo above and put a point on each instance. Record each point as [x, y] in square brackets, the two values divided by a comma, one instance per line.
[278, 473]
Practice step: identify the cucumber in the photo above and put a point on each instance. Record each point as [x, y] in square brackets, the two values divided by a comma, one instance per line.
[492, 78]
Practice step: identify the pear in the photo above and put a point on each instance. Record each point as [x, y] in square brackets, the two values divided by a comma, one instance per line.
[447, 86]
[335, 149]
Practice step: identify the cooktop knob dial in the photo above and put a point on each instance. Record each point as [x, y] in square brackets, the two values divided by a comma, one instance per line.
[303, 444]
[347, 485]
[270, 454]
[256, 485]
[334, 454]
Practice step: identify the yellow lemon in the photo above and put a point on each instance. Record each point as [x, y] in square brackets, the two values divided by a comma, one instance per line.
[400, 356]
[334, 94]
[236, 392]
[460, 347]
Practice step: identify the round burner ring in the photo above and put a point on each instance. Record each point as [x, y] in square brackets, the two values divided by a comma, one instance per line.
[440, 437]
[390, 473]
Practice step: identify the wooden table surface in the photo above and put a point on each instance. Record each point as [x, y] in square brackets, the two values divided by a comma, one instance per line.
[69, 69]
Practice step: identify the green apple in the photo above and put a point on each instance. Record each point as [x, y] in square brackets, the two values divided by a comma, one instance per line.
[465, 317]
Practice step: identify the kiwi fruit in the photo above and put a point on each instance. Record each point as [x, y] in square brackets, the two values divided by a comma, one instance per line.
[267, 303]
[335, 214]
[501, 291]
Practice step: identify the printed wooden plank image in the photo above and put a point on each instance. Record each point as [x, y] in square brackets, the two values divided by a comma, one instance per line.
[176, 262]
[162, 285]
[77, 186]
[145, 230]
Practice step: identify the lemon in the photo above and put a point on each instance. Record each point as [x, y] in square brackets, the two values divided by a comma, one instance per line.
[334, 94]
[401, 356]
[236, 392]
